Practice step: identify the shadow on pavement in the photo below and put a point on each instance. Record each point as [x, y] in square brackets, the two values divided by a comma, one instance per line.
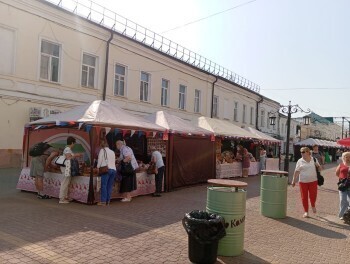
[333, 224]
[320, 189]
[311, 228]
[245, 258]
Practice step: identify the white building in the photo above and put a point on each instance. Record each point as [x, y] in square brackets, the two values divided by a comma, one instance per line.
[54, 58]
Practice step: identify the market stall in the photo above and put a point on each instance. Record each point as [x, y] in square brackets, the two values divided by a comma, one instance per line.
[189, 152]
[324, 146]
[88, 124]
[227, 138]
[79, 186]
[268, 142]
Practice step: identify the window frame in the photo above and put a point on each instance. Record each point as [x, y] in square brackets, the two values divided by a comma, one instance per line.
[14, 47]
[244, 108]
[49, 68]
[119, 81]
[89, 66]
[197, 101]
[144, 87]
[251, 115]
[182, 95]
[167, 93]
[235, 111]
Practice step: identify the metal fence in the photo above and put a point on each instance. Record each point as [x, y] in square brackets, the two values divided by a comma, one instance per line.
[111, 20]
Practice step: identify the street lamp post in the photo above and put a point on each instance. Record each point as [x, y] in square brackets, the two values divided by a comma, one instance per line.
[289, 110]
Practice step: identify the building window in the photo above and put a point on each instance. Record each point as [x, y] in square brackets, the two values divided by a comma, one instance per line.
[262, 118]
[251, 115]
[88, 71]
[235, 112]
[182, 97]
[119, 80]
[165, 92]
[215, 106]
[244, 113]
[7, 50]
[49, 61]
[226, 109]
[197, 101]
[144, 87]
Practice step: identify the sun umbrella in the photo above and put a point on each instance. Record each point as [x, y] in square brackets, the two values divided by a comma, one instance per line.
[344, 142]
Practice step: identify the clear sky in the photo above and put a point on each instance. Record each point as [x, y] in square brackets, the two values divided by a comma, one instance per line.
[296, 50]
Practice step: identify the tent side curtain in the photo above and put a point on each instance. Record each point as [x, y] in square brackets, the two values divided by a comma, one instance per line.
[195, 166]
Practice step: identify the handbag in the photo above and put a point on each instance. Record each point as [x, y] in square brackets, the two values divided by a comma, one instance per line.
[151, 169]
[343, 184]
[126, 169]
[320, 179]
[104, 169]
[74, 167]
[60, 160]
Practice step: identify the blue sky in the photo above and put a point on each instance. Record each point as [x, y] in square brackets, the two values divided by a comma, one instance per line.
[296, 50]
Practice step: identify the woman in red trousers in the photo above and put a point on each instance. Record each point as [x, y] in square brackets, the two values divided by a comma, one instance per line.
[306, 171]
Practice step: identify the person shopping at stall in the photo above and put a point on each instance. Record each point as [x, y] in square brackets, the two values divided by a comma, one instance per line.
[305, 170]
[246, 158]
[317, 154]
[158, 160]
[106, 157]
[343, 172]
[127, 158]
[40, 164]
[66, 171]
[262, 159]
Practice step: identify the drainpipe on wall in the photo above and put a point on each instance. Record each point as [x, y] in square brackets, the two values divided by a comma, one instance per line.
[106, 67]
[212, 96]
[257, 113]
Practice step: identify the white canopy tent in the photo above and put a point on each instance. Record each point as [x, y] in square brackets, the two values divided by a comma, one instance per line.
[314, 141]
[175, 124]
[100, 113]
[223, 128]
[262, 136]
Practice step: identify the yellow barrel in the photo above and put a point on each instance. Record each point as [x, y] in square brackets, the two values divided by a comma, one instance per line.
[273, 196]
[229, 203]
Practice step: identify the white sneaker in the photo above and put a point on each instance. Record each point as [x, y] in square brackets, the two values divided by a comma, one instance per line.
[341, 218]
[126, 200]
[63, 202]
[306, 215]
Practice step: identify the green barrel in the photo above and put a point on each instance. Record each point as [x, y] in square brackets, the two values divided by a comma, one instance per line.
[273, 195]
[230, 204]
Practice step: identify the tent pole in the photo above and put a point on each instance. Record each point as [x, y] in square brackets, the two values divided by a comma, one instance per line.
[170, 161]
[91, 196]
[27, 163]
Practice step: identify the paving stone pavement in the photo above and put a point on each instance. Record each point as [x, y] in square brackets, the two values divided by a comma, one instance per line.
[149, 229]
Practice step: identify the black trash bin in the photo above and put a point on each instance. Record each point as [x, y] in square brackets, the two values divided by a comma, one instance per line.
[204, 232]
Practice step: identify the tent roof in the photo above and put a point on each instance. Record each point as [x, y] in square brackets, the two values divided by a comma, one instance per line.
[100, 113]
[175, 124]
[345, 142]
[262, 136]
[319, 142]
[223, 128]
